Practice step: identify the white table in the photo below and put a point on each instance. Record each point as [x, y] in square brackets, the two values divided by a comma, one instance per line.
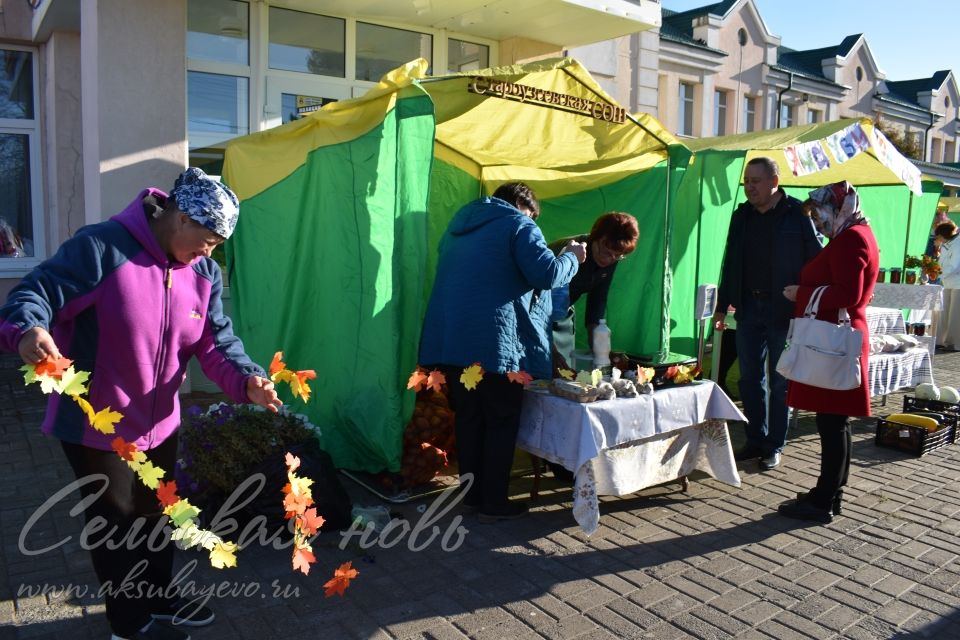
[617, 447]
[889, 372]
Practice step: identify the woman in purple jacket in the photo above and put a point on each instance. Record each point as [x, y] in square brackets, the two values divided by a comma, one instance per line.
[131, 300]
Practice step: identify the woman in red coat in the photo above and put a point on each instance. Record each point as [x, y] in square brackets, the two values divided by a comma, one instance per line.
[848, 266]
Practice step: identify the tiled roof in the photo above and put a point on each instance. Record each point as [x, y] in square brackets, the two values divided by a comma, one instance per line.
[809, 62]
[670, 31]
[682, 21]
[905, 91]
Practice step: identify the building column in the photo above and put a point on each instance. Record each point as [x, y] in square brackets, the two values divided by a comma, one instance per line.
[644, 85]
[134, 124]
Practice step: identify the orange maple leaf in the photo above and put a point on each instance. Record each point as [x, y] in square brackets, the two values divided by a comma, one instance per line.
[123, 448]
[520, 377]
[277, 363]
[53, 367]
[302, 558]
[417, 379]
[293, 463]
[310, 522]
[296, 503]
[472, 376]
[167, 493]
[436, 380]
[670, 372]
[341, 579]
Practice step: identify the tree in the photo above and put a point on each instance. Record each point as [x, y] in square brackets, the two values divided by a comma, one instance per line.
[910, 146]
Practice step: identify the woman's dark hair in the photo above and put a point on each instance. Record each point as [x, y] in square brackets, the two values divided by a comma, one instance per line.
[519, 195]
[618, 230]
[946, 230]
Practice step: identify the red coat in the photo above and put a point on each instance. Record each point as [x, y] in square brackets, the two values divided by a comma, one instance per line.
[849, 265]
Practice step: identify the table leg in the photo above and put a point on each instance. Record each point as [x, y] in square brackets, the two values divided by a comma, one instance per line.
[684, 484]
[537, 469]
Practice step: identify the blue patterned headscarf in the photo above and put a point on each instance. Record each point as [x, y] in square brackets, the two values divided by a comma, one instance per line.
[206, 201]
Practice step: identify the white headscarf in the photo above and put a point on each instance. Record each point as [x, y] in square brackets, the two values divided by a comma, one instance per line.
[837, 207]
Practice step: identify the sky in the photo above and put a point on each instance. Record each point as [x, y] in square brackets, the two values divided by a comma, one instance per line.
[908, 39]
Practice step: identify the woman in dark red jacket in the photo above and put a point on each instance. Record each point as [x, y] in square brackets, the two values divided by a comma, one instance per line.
[848, 266]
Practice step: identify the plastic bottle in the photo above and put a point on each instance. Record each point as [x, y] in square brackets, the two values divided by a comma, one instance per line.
[601, 344]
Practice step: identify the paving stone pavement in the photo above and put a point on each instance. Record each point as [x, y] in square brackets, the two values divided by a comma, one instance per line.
[716, 562]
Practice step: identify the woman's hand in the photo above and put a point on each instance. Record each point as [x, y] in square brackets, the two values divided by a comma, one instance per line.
[36, 345]
[790, 292]
[261, 391]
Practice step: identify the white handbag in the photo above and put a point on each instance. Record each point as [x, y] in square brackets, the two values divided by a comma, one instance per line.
[822, 354]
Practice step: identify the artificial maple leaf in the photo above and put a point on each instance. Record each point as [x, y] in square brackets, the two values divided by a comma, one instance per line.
[302, 558]
[645, 374]
[566, 374]
[472, 376]
[417, 379]
[167, 493]
[181, 512]
[299, 486]
[670, 372]
[104, 420]
[520, 377]
[124, 449]
[436, 380]
[53, 367]
[150, 475]
[292, 462]
[596, 376]
[48, 384]
[86, 408]
[29, 373]
[74, 383]
[300, 387]
[310, 522]
[585, 377]
[296, 504]
[190, 535]
[277, 364]
[341, 579]
[222, 555]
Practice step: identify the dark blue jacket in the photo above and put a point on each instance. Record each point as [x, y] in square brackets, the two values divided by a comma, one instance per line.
[492, 257]
[797, 243]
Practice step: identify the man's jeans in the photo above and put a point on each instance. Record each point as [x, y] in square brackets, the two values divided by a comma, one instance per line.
[760, 341]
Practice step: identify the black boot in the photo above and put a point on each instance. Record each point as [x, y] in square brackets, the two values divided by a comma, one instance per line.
[805, 510]
[835, 508]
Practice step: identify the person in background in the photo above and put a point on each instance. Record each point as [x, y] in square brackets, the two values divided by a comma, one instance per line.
[848, 267]
[728, 352]
[10, 244]
[492, 259]
[612, 238]
[948, 319]
[769, 240]
[132, 299]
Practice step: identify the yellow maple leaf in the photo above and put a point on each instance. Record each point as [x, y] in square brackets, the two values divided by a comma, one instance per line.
[299, 486]
[85, 406]
[223, 555]
[150, 475]
[472, 376]
[73, 383]
[181, 512]
[29, 373]
[566, 374]
[48, 384]
[104, 420]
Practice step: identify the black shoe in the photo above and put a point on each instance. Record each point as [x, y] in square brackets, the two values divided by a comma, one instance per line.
[747, 453]
[836, 508]
[186, 613]
[560, 472]
[508, 511]
[771, 461]
[156, 631]
[803, 510]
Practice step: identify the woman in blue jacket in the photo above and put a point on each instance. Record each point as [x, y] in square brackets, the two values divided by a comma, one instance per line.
[492, 258]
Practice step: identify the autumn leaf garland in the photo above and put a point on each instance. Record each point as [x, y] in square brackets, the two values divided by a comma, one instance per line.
[470, 377]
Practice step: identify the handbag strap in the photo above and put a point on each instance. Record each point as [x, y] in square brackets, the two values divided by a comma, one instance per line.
[813, 306]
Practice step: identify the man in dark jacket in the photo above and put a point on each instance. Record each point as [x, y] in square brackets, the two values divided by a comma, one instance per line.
[770, 239]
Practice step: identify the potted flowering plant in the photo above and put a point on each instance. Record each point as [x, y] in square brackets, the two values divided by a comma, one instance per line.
[928, 265]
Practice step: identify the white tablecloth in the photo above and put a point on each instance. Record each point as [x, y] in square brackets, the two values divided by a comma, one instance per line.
[620, 446]
[907, 296]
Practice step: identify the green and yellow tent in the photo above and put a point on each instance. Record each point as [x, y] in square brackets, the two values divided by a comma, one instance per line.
[341, 212]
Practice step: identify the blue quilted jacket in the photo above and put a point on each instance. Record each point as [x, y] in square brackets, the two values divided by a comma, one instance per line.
[492, 259]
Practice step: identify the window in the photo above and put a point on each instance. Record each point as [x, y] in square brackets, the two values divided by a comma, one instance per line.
[935, 150]
[307, 43]
[217, 110]
[466, 56]
[293, 106]
[814, 116]
[686, 110]
[949, 151]
[749, 114]
[20, 219]
[719, 113]
[218, 31]
[786, 115]
[381, 49]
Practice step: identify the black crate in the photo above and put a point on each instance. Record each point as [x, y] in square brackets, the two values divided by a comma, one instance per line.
[949, 411]
[915, 440]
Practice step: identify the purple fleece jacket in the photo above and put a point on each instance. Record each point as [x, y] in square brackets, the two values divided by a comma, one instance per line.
[122, 310]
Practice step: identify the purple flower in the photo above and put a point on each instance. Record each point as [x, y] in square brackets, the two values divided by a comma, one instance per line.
[194, 411]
